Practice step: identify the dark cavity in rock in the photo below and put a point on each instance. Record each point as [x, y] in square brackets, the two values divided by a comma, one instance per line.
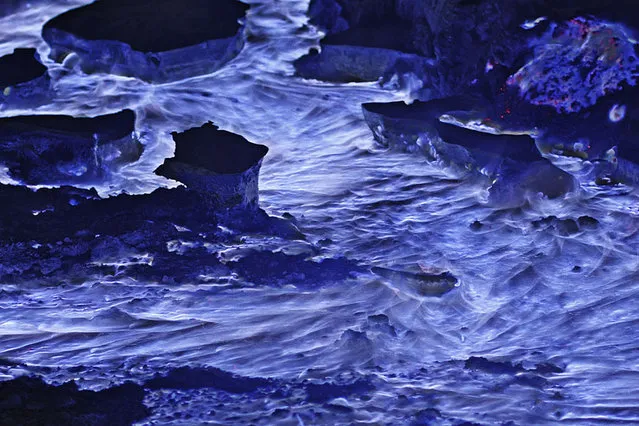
[19, 67]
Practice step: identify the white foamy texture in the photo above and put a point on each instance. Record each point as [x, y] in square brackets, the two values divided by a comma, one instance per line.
[529, 25]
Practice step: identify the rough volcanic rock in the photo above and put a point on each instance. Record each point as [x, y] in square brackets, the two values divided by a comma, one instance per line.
[30, 401]
[366, 23]
[510, 159]
[23, 78]
[76, 233]
[463, 40]
[195, 378]
[346, 64]
[444, 43]
[149, 39]
[169, 235]
[576, 63]
[364, 40]
[221, 166]
[361, 44]
[62, 150]
[70, 234]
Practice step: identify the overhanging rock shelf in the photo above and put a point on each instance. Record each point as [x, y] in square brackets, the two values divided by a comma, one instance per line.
[149, 39]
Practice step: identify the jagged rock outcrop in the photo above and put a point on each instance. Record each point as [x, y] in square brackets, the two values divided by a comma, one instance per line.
[69, 235]
[566, 78]
[220, 166]
[510, 159]
[63, 150]
[24, 81]
[153, 40]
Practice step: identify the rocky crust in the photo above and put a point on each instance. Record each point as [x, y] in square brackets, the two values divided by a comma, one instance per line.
[151, 40]
[221, 166]
[63, 150]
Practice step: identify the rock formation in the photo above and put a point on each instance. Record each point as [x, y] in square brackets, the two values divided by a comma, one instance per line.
[151, 40]
[30, 401]
[24, 81]
[63, 150]
[220, 166]
[510, 159]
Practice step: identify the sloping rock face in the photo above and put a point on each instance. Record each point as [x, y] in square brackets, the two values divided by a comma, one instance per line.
[510, 160]
[63, 150]
[155, 41]
[23, 79]
[221, 166]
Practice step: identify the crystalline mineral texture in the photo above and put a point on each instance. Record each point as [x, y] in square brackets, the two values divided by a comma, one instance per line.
[576, 63]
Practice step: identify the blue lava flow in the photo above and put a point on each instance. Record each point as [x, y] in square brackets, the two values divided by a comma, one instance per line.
[444, 231]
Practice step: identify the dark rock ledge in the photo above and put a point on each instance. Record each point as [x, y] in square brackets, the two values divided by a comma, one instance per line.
[63, 150]
[443, 44]
[361, 44]
[30, 401]
[153, 40]
[510, 160]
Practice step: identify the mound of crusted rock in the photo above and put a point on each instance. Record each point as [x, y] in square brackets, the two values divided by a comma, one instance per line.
[221, 166]
[63, 150]
[153, 40]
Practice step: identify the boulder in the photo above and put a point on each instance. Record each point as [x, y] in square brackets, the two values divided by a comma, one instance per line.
[220, 166]
[153, 40]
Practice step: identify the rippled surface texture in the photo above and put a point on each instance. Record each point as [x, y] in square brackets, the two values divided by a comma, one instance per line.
[542, 326]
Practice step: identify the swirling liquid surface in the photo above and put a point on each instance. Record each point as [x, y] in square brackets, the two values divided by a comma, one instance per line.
[555, 309]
